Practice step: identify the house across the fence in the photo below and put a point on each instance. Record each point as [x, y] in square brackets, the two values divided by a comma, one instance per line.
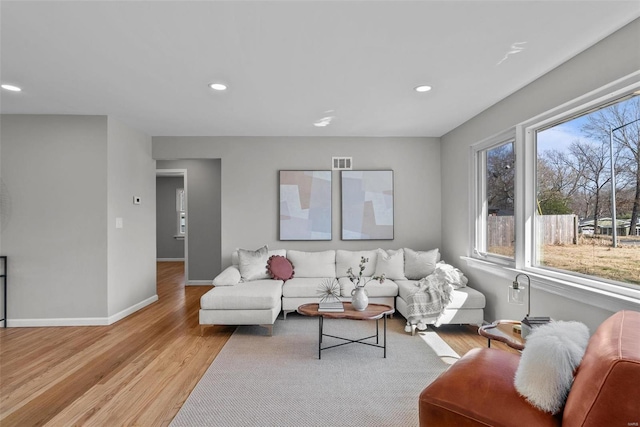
[605, 227]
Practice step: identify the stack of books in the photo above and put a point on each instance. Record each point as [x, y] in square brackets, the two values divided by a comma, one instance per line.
[529, 322]
[333, 306]
[532, 322]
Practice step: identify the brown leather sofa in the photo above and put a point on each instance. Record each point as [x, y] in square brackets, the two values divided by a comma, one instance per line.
[478, 389]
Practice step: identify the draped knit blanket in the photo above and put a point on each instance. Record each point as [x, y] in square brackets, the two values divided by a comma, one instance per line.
[433, 293]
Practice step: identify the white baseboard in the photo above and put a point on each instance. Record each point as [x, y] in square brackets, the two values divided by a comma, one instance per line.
[80, 321]
[199, 283]
[169, 259]
[39, 323]
[127, 311]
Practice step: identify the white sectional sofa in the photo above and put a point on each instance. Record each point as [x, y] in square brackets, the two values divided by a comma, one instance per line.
[246, 294]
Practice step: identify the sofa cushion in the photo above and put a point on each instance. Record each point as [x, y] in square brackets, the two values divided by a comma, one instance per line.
[420, 264]
[478, 390]
[228, 277]
[313, 264]
[254, 295]
[391, 264]
[351, 259]
[303, 287]
[388, 288]
[460, 298]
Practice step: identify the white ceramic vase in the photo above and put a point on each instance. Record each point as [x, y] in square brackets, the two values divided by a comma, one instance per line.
[359, 298]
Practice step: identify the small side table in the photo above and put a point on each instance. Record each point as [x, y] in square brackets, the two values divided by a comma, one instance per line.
[502, 330]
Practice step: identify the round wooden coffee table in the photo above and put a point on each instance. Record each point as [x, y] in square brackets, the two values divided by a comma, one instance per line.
[502, 330]
[372, 312]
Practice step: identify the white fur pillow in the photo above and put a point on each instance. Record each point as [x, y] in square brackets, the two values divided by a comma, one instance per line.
[549, 359]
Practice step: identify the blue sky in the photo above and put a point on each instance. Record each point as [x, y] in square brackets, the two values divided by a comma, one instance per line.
[560, 137]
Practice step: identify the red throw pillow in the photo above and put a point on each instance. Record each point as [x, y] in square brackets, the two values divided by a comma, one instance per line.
[280, 268]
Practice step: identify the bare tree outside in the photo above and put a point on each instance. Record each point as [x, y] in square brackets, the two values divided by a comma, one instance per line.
[625, 118]
[500, 182]
[574, 177]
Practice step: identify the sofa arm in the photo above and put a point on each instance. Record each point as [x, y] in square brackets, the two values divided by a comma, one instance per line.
[228, 277]
[478, 390]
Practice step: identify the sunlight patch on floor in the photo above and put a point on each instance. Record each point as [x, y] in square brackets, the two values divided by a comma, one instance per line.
[441, 348]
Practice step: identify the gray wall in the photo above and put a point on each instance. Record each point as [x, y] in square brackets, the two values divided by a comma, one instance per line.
[168, 247]
[68, 178]
[204, 227]
[132, 249]
[250, 168]
[55, 171]
[607, 61]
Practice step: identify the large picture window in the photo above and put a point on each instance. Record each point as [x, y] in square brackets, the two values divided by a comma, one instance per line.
[588, 193]
[559, 197]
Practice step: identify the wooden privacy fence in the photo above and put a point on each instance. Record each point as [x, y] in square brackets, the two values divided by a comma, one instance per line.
[500, 231]
[552, 229]
[558, 229]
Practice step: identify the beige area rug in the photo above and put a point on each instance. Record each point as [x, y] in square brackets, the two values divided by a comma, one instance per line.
[258, 380]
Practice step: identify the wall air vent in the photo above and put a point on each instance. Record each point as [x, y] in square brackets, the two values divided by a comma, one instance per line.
[342, 163]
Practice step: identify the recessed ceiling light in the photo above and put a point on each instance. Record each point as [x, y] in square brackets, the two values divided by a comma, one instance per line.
[218, 86]
[423, 88]
[11, 88]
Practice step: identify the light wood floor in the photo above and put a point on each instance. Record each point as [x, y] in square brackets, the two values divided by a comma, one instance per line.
[136, 372]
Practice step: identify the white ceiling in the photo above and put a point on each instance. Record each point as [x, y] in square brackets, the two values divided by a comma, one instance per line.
[288, 64]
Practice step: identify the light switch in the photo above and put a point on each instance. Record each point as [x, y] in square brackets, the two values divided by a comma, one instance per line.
[119, 223]
[136, 200]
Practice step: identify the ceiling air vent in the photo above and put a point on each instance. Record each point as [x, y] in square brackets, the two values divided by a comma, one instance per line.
[342, 163]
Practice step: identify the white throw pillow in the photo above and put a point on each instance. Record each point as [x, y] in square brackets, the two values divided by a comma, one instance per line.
[551, 354]
[347, 259]
[313, 264]
[235, 259]
[253, 264]
[420, 264]
[391, 264]
[228, 277]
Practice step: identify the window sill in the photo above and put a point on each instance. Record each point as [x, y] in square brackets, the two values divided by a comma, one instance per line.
[625, 299]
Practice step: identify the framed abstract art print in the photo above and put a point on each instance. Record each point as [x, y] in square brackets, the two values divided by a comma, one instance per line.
[305, 205]
[367, 205]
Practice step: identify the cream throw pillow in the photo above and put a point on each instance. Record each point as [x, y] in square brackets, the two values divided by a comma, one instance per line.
[391, 264]
[551, 354]
[420, 264]
[253, 264]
